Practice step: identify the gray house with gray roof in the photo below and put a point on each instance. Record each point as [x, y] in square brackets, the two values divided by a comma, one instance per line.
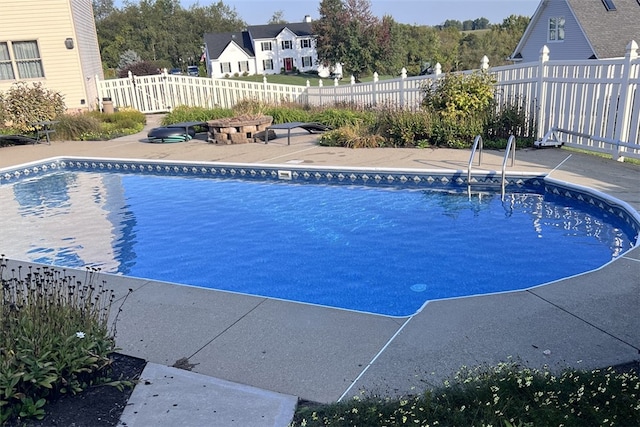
[261, 49]
[580, 29]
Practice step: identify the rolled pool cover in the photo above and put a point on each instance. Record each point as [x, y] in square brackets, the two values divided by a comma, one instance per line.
[168, 135]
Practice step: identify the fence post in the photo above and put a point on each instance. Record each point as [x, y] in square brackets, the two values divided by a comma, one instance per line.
[542, 92]
[320, 91]
[403, 77]
[351, 89]
[438, 69]
[484, 63]
[264, 87]
[134, 92]
[625, 100]
[375, 88]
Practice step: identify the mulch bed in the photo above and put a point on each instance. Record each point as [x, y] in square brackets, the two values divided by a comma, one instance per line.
[98, 406]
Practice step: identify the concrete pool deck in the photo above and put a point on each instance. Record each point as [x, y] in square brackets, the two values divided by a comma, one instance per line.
[255, 354]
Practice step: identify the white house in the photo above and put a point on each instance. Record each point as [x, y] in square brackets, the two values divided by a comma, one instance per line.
[261, 49]
[54, 43]
[580, 29]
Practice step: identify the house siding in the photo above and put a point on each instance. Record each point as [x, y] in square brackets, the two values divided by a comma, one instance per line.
[277, 54]
[575, 44]
[50, 23]
[232, 54]
[88, 48]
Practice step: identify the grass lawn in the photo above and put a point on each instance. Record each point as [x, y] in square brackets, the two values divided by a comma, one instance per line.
[301, 79]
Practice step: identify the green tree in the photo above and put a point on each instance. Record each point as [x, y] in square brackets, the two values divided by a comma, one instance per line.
[161, 30]
[277, 18]
[348, 33]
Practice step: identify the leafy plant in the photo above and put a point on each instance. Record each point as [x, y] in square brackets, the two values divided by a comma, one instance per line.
[504, 395]
[55, 338]
[23, 104]
[74, 126]
[406, 128]
[195, 114]
[352, 136]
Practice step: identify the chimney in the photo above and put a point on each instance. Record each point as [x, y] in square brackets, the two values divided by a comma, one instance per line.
[307, 18]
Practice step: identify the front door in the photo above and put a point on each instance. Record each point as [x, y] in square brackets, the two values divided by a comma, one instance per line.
[288, 64]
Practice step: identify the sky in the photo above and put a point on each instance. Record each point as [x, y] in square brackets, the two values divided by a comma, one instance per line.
[417, 12]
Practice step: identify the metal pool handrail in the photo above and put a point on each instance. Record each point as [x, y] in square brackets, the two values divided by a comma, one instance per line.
[477, 143]
[511, 149]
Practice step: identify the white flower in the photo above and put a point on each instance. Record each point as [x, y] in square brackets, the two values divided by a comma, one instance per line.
[80, 334]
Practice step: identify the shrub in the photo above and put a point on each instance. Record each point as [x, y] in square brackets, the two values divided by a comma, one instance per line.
[74, 126]
[505, 395]
[286, 114]
[338, 117]
[352, 136]
[195, 114]
[461, 105]
[406, 128]
[457, 95]
[511, 119]
[54, 339]
[23, 104]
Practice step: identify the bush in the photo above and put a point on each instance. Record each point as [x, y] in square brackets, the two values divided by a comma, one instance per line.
[406, 128]
[74, 126]
[461, 105]
[24, 104]
[338, 117]
[504, 395]
[511, 119]
[54, 339]
[284, 114]
[195, 114]
[352, 136]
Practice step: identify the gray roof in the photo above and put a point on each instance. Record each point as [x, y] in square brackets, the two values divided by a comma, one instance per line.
[217, 42]
[609, 32]
[271, 31]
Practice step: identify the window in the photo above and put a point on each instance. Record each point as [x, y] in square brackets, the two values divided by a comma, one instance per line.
[306, 61]
[243, 66]
[6, 69]
[266, 46]
[225, 67]
[556, 28]
[26, 60]
[267, 64]
[286, 44]
[608, 4]
[306, 43]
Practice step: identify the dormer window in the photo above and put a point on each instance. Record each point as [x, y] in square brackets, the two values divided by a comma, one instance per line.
[556, 29]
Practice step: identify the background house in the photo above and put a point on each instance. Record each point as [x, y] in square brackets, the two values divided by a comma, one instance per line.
[53, 42]
[580, 29]
[261, 49]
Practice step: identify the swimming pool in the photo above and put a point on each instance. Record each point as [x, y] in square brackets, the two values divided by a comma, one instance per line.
[385, 248]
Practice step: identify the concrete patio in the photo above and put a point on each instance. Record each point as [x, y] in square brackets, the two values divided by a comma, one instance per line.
[323, 354]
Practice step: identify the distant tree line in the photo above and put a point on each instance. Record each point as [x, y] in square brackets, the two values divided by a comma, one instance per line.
[165, 34]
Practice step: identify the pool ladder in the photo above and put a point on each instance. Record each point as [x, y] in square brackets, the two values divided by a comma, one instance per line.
[509, 152]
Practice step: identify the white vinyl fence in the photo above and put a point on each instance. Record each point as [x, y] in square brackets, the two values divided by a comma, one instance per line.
[589, 104]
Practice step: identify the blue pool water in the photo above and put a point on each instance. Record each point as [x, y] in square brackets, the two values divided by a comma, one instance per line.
[385, 251]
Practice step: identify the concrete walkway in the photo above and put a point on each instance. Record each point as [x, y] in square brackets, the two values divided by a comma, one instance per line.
[257, 353]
